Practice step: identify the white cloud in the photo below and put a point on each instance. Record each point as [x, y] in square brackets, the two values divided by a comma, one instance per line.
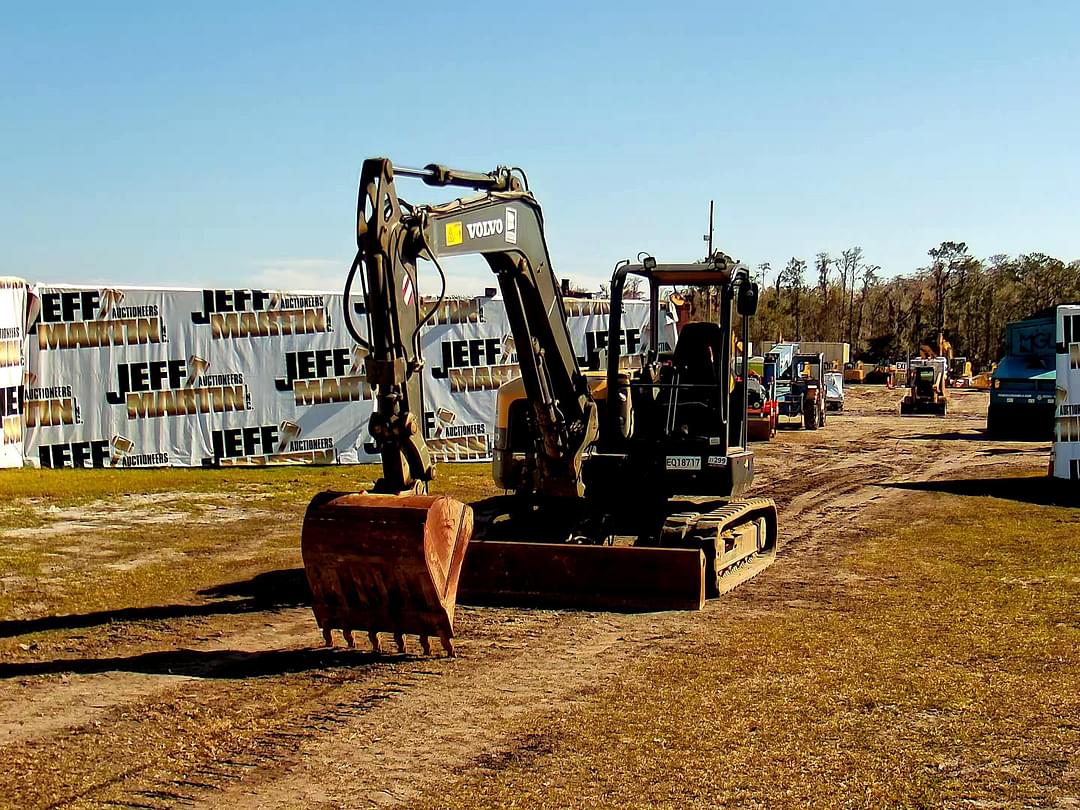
[464, 277]
[326, 275]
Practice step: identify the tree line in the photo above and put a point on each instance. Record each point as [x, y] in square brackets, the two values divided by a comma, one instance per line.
[967, 299]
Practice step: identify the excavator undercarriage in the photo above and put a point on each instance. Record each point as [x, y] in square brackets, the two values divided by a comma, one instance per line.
[622, 481]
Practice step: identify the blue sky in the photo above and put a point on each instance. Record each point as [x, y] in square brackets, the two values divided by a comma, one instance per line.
[219, 143]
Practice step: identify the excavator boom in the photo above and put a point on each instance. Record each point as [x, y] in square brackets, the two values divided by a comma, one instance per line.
[389, 560]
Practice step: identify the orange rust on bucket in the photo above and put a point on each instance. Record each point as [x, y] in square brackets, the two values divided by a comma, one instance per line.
[385, 563]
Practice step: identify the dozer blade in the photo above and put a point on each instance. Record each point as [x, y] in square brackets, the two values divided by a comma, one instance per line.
[583, 577]
[385, 563]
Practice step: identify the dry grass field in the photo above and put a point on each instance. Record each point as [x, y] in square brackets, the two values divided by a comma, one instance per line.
[916, 644]
[941, 669]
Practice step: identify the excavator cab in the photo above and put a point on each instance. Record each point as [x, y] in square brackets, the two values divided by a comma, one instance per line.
[689, 411]
[686, 459]
[664, 473]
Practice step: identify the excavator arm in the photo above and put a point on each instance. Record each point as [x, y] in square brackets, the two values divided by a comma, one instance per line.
[504, 225]
[392, 307]
[390, 559]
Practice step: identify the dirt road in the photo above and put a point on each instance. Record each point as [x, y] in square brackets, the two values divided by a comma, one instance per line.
[228, 702]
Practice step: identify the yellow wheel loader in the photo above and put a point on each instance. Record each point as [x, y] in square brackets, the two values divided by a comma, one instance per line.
[620, 482]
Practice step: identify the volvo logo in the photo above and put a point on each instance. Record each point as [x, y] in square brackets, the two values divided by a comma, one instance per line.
[489, 227]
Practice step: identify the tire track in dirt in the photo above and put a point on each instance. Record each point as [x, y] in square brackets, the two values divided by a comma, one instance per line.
[78, 695]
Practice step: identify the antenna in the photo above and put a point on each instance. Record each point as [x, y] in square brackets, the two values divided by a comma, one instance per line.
[708, 237]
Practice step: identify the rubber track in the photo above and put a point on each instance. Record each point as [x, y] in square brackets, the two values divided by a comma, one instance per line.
[697, 530]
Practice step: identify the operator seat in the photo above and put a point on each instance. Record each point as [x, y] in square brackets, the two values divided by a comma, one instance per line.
[696, 363]
[698, 352]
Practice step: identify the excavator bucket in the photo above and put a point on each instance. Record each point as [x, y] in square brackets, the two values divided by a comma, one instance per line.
[385, 563]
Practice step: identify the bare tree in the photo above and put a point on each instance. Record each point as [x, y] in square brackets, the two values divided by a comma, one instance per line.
[971, 301]
[793, 279]
[869, 277]
[951, 262]
[849, 263]
[822, 263]
[764, 268]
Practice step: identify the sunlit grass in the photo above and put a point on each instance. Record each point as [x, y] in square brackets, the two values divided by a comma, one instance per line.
[946, 668]
[225, 524]
[119, 563]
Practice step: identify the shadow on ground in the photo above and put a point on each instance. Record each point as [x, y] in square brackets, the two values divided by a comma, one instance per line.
[1039, 490]
[273, 590]
[980, 435]
[951, 436]
[202, 663]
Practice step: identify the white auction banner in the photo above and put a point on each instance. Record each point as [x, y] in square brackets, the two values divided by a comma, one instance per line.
[123, 377]
[469, 352]
[142, 377]
[12, 365]
[1067, 428]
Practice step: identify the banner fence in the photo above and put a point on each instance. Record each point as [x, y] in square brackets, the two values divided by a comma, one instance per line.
[147, 377]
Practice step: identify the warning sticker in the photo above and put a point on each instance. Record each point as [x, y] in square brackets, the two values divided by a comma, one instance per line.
[453, 234]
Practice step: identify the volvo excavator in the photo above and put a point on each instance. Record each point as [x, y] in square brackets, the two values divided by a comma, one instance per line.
[621, 482]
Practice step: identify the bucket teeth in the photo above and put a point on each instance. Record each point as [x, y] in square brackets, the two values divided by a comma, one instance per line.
[399, 641]
[447, 644]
